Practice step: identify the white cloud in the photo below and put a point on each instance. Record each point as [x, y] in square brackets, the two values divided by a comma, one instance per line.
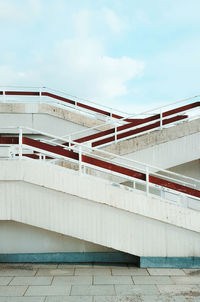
[79, 65]
[83, 66]
[113, 21]
[19, 12]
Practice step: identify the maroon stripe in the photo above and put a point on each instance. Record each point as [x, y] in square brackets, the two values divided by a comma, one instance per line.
[173, 186]
[9, 140]
[54, 149]
[112, 167]
[103, 164]
[138, 130]
[135, 122]
[60, 98]
[32, 93]
[181, 109]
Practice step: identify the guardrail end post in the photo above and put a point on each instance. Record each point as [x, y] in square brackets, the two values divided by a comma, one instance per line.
[115, 134]
[80, 159]
[161, 119]
[4, 96]
[40, 94]
[20, 142]
[147, 180]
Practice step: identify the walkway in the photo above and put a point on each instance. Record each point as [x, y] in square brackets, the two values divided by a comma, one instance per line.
[96, 283]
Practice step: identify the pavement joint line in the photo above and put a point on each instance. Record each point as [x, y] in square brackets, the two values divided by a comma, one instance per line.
[10, 280]
[156, 285]
[25, 291]
[52, 280]
[93, 280]
[70, 291]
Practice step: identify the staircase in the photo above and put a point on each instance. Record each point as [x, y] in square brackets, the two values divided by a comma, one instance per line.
[98, 196]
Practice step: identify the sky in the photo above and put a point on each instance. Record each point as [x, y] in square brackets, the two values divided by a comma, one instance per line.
[128, 54]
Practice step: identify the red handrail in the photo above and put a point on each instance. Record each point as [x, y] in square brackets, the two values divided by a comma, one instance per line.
[58, 150]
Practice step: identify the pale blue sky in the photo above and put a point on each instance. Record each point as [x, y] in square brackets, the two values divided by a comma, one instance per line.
[126, 54]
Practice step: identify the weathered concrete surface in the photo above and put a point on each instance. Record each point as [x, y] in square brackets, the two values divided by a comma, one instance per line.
[154, 138]
[76, 117]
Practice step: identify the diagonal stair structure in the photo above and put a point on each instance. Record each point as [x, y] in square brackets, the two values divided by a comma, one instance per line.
[112, 195]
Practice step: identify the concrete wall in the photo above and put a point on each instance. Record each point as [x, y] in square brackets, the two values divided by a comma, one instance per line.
[171, 153]
[42, 122]
[17, 237]
[60, 200]
[191, 169]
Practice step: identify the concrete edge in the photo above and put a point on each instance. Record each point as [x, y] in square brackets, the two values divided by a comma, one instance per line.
[170, 262]
[72, 257]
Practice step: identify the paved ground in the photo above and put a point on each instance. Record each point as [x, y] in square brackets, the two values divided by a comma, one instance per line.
[96, 283]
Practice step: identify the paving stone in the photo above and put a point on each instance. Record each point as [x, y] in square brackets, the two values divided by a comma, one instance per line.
[110, 265]
[55, 272]
[31, 281]
[5, 280]
[140, 298]
[22, 299]
[48, 290]
[152, 280]
[128, 290]
[92, 290]
[92, 271]
[66, 266]
[117, 299]
[12, 290]
[130, 271]
[113, 280]
[17, 272]
[12, 265]
[61, 281]
[68, 299]
[167, 298]
[40, 265]
[186, 280]
[179, 289]
[193, 271]
[165, 271]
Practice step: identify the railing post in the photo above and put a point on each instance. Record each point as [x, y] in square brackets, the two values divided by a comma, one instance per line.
[161, 119]
[75, 102]
[115, 134]
[20, 142]
[147, 180]
[4, 96]
[40, 94]
[69, 139]
[80, 159]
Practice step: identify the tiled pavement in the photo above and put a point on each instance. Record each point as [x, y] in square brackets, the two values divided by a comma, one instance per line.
[96, 283]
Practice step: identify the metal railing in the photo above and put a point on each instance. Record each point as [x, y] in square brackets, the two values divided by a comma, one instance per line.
[158, 118]
[91, 161]
[60, 99]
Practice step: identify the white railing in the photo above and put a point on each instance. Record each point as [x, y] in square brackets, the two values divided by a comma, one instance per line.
[138, 185]
[192, 113]
[55, 102]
